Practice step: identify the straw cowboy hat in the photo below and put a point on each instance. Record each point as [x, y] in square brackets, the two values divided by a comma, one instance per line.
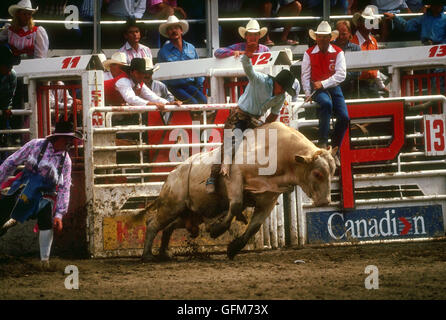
[252, 26]
[370, 13]
[149, 65]
[117, 58]
[171, 21]
[323, 28]
[21, 5]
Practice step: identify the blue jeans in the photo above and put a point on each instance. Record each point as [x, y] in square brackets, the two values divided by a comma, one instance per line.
[189, 94]
[330, 100]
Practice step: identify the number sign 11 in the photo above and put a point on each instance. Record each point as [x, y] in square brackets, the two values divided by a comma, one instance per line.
[434, 135]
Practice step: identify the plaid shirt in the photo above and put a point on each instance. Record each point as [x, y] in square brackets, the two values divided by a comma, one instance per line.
[229, 51]
[142, 52]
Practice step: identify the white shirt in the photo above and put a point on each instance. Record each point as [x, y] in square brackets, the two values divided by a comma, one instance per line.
[60, 97]
[333, 81]
[142, 52]
[127, 8]
[41, 42]
[125, 87]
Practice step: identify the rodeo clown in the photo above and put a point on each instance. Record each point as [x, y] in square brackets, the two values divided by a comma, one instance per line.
[323, 69]
[42, 190]
[262, 93]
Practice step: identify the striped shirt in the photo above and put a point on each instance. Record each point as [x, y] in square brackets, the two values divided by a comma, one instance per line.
[34, 41]
[142, 52]
[229, 51]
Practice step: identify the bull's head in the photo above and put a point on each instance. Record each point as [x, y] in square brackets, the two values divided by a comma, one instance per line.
[319, 169]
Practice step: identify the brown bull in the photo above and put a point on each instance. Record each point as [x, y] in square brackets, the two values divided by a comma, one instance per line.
[184, 203]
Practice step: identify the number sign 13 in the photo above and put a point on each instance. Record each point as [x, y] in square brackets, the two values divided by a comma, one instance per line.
[434, 135]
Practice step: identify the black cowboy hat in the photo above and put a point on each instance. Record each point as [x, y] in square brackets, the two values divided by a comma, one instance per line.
[66, 128]
[138, 64]
[286, 80]
[7, 58]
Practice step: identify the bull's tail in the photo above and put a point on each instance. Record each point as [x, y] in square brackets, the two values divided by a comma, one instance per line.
[188, 199]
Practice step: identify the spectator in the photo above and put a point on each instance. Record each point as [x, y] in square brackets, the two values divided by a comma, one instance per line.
[133, 48]
[125, 9]
[431, 26]
[22, 35]
[47, 180]
[8, 85]
[113, 66]
[369, 82]
[393, 6]
[349, 86]
[252, 34]
[316, 7]
[163, 9]
[268, 8]
[323, 70]
[63, 97]
[415, 5]
[188, 90]
[131, 88]
[156, 86]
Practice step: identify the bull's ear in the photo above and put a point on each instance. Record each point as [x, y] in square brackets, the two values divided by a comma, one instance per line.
[302, 159]
[334, 151]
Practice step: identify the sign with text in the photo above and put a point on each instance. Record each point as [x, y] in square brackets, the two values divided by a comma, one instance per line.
[375, 224]
[434, 135]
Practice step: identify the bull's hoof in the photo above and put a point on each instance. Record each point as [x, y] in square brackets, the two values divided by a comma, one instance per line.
[148, 258]
[163, 257]
[216, 230]
[234, 247]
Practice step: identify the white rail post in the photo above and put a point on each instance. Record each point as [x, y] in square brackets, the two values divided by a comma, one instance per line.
[301, 218]
[273, 228]
[395, 90]
[280, 222]
[294, 240]
[32, 105]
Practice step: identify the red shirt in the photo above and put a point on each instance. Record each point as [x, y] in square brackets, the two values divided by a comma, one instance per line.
[367, 44]
[323, 63]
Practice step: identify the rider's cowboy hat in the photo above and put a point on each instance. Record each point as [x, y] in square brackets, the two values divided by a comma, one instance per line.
[370, 13]
[21, 5]
[117, 58]
[65, 128]
[149, 65]
[323, 28]
[286, 80]
[252, 26]
[171, 21]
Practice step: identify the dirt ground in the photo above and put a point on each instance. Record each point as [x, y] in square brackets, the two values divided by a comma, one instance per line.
[406, 271]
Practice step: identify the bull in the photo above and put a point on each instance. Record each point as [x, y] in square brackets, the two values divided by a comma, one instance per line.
[184, 203]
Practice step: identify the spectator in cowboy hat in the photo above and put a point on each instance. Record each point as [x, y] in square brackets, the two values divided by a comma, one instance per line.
[113, 66]
[133, 48]
[156, 86]
[431, 26]
[370, 83]
[8, 85]
[32, 193]
[323, 70]
[188, 90]
[252, 33]
[22, 35]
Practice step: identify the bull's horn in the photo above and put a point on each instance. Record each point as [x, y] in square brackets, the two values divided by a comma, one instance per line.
[334, 151]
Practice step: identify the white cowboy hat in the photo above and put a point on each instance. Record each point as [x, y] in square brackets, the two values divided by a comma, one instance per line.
[117, 58]
[370, 12]
[149, 65]
[173, 20]
[252, 26]
[21, 5]
[323, 28]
